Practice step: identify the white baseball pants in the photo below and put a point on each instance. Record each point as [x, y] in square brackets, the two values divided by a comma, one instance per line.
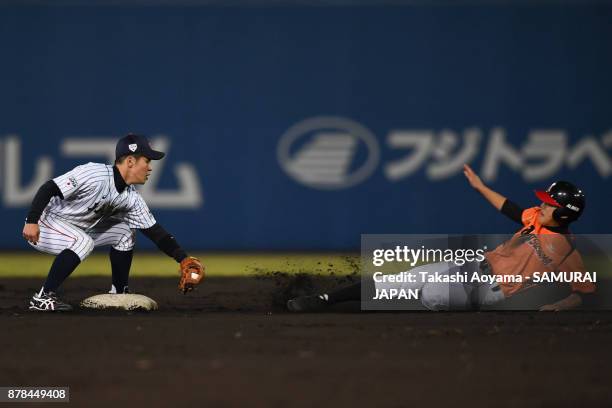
[57, 234]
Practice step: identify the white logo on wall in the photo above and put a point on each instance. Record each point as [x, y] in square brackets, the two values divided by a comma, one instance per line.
[328, 152]
[322, 153]
[17, 193]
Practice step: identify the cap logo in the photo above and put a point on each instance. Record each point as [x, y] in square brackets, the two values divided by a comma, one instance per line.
[133, 147]
[573, 208]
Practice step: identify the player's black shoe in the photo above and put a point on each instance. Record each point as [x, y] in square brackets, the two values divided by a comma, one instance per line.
[48, 302]
[314, 303]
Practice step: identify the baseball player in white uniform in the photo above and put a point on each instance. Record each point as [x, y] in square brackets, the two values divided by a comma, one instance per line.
[96, 205]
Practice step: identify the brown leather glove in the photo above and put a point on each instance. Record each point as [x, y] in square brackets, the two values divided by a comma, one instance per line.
[192, 272]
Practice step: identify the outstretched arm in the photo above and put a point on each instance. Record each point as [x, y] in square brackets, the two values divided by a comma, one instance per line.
[497, 200]
[501, 203]
[165, 242]
[191, 269]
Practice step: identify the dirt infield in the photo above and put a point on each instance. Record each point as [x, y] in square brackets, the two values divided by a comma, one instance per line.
[231, 344]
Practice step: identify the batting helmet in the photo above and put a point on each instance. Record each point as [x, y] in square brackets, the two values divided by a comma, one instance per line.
[568, 199]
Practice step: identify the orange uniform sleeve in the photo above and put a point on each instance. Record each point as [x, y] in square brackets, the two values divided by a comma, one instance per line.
[530, 216]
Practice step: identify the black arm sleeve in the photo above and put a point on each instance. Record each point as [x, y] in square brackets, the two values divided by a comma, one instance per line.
[41, 199]
[512, 211]
[165, 242]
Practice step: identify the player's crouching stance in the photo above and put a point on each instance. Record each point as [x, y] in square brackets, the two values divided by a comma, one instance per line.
[96, 205]
[544, 243]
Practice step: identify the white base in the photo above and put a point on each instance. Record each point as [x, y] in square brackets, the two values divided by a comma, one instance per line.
[127, 301]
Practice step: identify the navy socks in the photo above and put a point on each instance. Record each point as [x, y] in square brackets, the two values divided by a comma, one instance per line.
[63, 265]
[121, 262]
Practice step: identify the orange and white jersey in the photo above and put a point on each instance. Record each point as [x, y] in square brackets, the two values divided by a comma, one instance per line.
[535, 248]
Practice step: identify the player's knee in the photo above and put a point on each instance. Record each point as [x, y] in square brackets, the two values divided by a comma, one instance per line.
[83, 246]
[126, 241]
[435, 296]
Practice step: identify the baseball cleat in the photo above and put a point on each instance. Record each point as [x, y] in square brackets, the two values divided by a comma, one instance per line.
[313, 303]
[114, 291]
[48, 302]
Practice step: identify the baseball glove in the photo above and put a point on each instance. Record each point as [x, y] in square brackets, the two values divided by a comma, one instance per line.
[192, 272]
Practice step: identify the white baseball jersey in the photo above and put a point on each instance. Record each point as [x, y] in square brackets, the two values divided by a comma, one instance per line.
[90, 196]
[93, 213]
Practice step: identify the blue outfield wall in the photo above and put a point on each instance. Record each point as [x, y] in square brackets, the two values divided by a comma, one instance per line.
[304, 127]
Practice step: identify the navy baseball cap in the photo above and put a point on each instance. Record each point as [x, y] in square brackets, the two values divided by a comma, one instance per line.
[136, 144]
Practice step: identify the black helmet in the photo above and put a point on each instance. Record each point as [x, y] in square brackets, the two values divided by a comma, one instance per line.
[567, 197]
